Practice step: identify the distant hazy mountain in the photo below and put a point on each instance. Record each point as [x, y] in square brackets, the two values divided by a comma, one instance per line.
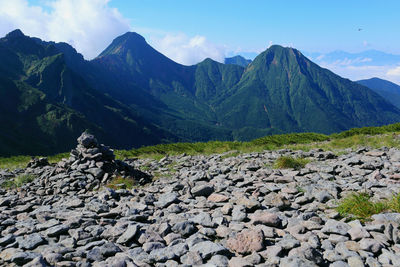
[388, 90]
[369, 57]
[237, 60]
[132, 95]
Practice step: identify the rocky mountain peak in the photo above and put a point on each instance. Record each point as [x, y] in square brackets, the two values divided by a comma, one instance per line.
[15, 34]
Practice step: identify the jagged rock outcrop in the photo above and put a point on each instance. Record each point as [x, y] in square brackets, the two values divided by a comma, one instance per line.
[218, 210]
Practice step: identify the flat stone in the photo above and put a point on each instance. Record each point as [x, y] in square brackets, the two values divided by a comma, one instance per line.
[219, 260]
[185, 228]
[296, 262]
[239, 262]
[166, 199]
[31, 241]
[202, 190]
[218, 198]
[96, 172]
[7, 239]
[57, 230]
[369, 244]
[128, 235]
[37, 262]
[21, 258]
[207, 249]
[335, 227]
[355, 261]
[191, 258]
[358, 233]
[265, 218]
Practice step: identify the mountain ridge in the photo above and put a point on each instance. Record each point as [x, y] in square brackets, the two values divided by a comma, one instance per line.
[131, 86]
[388, 90]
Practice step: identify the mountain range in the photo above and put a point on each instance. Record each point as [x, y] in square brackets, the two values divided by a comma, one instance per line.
[237, 60]
[388, 90]
[132, 95]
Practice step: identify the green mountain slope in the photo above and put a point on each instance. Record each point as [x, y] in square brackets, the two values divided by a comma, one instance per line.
[281, 90]
[237, 60]
[132, 95]
[52, 104]
[388, 90]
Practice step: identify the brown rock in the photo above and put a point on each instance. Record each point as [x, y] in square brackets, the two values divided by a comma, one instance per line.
[352, 245]
[266, 218]
[247, 241]
[215, 197]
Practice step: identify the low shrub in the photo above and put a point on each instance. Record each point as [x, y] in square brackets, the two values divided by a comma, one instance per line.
[360, 206]
[287, 162]
[19, 181]
[120, 182]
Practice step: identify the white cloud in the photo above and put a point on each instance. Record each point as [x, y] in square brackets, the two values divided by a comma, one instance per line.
[364, 72]
[88, 25]
[346, 61]
[394, 72]
[188, 50]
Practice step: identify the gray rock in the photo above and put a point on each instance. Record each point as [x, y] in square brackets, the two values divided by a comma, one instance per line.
[96, 172]
[186, 228]
[219, 261]
[7, 239]
[166, 199]
[296, 262]
[339, 264]
[37, 262]
[202, 190]
[87, 140]
[355, 261]
[57, 230]
[207, 249]
[192, 258]
[371, 245]
[128, 235]
[336, 227]
[21, 258]
[31, 241]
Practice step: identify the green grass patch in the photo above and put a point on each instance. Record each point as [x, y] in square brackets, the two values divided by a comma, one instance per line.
[394, 203]
[374, 137]
[16, 162]
[18, 181]
[287, 162]
[120, 182]
[360, 206]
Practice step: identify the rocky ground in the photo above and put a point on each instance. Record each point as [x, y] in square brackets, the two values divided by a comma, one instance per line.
[216, 210]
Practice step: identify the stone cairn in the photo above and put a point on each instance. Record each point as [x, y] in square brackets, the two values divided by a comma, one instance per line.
[89, 166]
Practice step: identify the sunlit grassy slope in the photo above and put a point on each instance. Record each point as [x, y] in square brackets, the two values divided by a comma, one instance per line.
[374, 137]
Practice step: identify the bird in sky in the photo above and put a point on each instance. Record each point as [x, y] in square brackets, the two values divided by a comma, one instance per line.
[359, 29]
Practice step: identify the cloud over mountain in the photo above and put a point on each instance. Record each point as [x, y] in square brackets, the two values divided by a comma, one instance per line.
[89, 26]
[188, 50]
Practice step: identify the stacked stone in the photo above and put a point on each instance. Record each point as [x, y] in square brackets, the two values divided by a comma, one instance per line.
[89, 166]
[90, 157]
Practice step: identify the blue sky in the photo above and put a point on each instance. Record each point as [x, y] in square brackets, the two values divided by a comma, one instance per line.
[188, 31]
[308, 25]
